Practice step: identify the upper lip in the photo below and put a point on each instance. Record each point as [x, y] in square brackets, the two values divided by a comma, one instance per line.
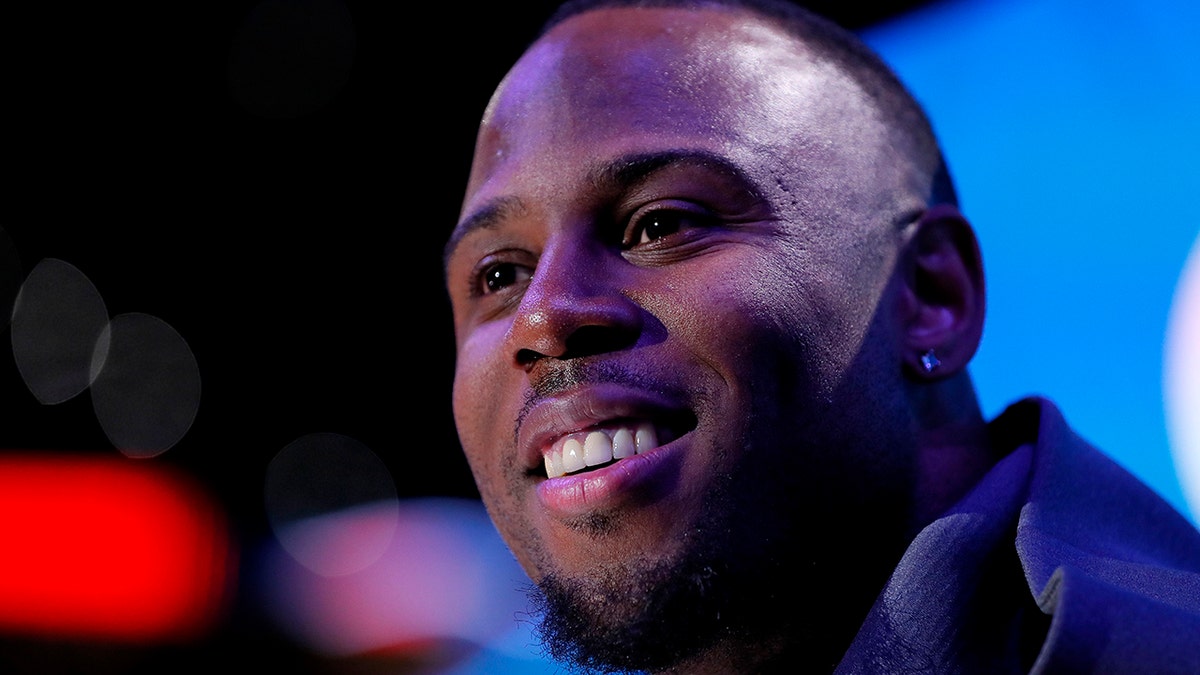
[584, 407]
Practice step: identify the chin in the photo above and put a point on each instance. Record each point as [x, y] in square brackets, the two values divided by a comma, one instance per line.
[636, 606]
[635, 615]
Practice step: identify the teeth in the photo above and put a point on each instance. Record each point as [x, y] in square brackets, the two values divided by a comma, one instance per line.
[554, 464]
[597, 449]
[646, 438]
[623, 444]
[572, 456]
[599, 446]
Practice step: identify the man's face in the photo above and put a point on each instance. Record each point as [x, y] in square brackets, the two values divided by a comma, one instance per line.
[678, 224]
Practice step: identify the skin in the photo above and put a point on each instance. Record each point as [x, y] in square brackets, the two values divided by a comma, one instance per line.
[672, 235]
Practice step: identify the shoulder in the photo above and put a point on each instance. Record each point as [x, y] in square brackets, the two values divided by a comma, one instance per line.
[1115, 565]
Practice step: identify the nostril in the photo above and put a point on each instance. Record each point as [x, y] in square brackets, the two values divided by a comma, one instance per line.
[583, 341]
[527, 357]
[598, 339]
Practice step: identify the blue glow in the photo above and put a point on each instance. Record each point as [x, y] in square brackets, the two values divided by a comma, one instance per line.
[1073, 131]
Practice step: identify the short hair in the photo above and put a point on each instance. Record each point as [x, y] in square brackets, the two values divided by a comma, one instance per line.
[831, 42]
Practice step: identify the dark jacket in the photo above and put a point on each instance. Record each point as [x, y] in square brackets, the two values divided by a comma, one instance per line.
[1058, 561]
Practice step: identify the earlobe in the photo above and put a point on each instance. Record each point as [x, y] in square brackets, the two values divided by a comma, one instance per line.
[942, 307]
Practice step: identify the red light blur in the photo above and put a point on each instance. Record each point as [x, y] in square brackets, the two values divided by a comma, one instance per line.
[108, 548]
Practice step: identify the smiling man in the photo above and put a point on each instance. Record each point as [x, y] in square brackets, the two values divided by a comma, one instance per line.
[714, 305]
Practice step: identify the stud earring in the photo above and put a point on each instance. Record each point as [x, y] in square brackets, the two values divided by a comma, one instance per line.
[929, 361]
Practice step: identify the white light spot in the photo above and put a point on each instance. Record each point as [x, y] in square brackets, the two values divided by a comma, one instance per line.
[146, 385]
[321, 474]
[1181, 378]
[57, 320]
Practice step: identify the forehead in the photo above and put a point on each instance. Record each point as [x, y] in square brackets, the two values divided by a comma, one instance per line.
[626, 80]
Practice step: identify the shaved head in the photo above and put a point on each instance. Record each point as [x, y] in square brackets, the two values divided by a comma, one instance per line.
[912, 132]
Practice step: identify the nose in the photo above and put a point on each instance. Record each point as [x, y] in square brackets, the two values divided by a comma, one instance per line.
[573, 306]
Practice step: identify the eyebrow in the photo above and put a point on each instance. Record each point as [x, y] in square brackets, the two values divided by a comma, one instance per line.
[630, 170]
[620, 174]
[491, 214]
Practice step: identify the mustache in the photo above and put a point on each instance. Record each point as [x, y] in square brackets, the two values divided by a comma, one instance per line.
[558, 377]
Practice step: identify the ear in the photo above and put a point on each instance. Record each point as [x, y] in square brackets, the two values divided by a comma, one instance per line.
[942, 299]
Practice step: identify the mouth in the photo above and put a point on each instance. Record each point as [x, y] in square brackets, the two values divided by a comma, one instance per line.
[602, 445]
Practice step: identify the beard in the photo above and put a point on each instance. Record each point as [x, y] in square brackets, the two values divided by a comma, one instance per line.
[732, 587]
[786, 613]
[785, 594]
[640, 615]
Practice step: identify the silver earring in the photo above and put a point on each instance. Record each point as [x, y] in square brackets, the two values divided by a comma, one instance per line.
[929, 361]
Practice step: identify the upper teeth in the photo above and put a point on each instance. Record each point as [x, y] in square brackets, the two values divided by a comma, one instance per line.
[575, 452]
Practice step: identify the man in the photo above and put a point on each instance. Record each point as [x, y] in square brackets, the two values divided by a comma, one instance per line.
[714, 303]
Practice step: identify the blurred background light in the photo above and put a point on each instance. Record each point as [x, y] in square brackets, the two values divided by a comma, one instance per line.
[1181, 377]
[57, 322]
[146, 385]
[325, 473]
[445, 593]
[1072, 131]
[108, 549]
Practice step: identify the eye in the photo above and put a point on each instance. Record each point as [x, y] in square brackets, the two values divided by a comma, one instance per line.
[654, 224]
[658, 224]
[498, 276]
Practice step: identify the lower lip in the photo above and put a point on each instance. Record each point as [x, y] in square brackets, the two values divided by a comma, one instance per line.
[624, 482]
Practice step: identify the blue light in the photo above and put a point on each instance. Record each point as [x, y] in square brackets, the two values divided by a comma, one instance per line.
[1073, 131]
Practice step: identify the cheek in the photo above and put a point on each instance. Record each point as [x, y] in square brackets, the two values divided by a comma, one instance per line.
[745, 323]
[478, 400]
[777, 320]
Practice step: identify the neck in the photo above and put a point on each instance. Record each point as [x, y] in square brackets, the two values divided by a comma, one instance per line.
[953, 449]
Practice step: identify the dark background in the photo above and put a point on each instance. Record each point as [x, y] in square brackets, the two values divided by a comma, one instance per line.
[284, 214]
